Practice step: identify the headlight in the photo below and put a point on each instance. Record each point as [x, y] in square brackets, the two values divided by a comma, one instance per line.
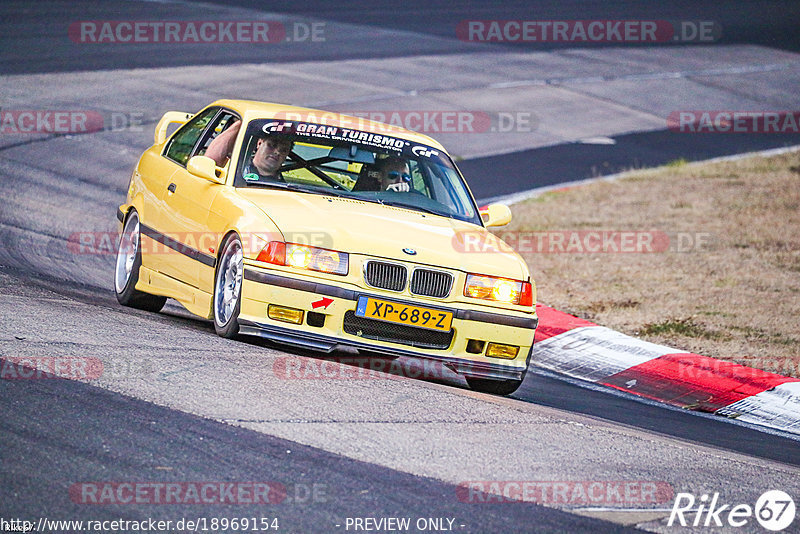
[499, 289]
[305, 257]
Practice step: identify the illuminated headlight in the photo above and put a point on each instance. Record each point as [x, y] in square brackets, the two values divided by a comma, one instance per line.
[499, 289]
[305, 257]
[316, 259]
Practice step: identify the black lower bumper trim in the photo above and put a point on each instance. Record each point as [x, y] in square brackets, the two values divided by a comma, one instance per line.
[329, 344]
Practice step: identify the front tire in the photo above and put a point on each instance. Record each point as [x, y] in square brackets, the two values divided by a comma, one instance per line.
[494, 387]
[499, 386]
[228, 288]
[126, 275]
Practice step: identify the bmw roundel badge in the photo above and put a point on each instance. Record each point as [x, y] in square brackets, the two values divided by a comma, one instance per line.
[410, 251]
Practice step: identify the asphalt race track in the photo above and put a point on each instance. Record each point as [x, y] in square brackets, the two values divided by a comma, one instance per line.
[177, 404]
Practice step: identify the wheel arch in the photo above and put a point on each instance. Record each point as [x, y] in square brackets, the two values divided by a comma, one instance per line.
[222, 241]
[136, 203]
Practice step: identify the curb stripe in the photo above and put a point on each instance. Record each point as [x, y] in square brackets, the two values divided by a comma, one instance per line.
[581, 349]
[553, 322]
[692, 381]
[777, 408]
[595, 352]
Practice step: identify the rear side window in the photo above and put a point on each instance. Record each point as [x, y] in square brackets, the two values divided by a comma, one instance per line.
[183, 142]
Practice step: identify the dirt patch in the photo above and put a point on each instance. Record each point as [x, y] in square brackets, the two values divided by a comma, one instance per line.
[701, 257]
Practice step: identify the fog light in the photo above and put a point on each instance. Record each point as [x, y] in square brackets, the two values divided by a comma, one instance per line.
[498, 350]
[286, 315]
[315, 319]
[475, 346]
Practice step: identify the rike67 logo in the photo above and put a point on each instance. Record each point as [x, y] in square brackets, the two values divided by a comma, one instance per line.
[774, 510]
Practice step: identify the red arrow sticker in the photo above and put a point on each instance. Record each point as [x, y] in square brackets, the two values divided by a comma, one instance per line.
[323, 302]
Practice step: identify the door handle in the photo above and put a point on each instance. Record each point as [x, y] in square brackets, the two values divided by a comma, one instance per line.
[171, 188]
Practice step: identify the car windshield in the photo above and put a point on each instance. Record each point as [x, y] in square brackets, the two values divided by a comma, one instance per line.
[317, 158]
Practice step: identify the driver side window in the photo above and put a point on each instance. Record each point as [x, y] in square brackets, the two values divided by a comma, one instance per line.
[221, 124]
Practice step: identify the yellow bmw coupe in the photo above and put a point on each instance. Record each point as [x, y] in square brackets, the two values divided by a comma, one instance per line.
[328, 232]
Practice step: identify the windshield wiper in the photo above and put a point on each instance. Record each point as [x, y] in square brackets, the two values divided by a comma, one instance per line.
[299, 189]
[413, 207]
[276, 185]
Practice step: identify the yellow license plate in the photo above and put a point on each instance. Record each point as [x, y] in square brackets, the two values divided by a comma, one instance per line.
[394, 312]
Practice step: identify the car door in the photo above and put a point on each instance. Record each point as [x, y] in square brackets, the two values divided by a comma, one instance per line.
[156, 169]
[187, 200]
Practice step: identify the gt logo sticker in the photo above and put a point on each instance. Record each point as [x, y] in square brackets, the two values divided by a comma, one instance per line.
[424, 152]
[275, 126]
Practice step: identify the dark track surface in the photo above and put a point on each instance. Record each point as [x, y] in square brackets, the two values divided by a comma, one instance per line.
[681, 424]
[31, 41]
[769, 23]
[558, 164]
[148, 443]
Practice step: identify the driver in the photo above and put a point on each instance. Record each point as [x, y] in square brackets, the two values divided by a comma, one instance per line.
[393, 174]
[271, 152]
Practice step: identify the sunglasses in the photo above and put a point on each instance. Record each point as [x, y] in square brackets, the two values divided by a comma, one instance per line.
[394, 175]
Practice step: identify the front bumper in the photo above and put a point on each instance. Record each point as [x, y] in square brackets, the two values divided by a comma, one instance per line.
[261, 288]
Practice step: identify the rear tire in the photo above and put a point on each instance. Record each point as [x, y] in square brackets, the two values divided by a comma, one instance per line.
[228, 287]
[126, 273]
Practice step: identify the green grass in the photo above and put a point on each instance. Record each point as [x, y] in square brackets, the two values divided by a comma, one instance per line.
[680, 162]
[683, 327]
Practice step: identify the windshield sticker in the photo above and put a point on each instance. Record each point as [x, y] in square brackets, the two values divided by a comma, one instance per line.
[423, 151]
[336, 133]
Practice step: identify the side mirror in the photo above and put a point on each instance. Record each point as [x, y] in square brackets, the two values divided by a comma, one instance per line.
[495, 215]
[170, 117]
[204, 167]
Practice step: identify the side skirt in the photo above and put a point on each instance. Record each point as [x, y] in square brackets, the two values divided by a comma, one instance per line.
[196, 301]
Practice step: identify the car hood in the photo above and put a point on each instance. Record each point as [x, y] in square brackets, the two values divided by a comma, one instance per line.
[372, 229]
